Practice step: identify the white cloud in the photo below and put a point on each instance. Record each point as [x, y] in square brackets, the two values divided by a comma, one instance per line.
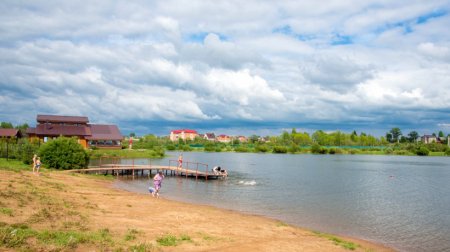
[196, 61]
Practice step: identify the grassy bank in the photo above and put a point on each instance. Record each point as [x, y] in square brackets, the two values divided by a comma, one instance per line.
[126, 153]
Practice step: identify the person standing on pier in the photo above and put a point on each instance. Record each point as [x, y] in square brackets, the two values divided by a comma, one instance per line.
[180, 161]
[157, 182]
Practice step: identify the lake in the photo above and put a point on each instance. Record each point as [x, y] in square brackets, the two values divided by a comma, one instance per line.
[400, 201]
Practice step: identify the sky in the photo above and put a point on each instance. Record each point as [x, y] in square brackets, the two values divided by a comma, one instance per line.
[229, 67]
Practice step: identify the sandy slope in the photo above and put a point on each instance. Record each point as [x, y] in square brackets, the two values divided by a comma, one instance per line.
[85, 203]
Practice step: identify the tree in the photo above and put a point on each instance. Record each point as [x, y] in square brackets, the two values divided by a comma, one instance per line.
[64, 153]
[6, 125]
[412, 136]
[132, 134]
[441, 134]
[389, 137]
[396, 133]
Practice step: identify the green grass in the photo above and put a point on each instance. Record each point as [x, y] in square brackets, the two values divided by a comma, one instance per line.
[338, 241]
[14, 165]
[171, 240]
[282, 224]
[124, 153]
[6, 211]
[143, 247]
[131, 234]
[167, 240]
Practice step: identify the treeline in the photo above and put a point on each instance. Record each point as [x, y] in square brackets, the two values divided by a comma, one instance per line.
[319, 142]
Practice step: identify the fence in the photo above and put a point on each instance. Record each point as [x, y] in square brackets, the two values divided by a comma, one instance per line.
[14, 150]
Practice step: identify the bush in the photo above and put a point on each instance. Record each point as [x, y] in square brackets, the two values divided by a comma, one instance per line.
[210, 147]
[401, 152]
[241, 149]
[262, 148]
[279, 149]
[423, 151]
[27, 150]
[317, 149]
[332, 151]
[293, 148]
[171, 147]
[388, 150]
[64, 153]
[339, 151]
[447, 152]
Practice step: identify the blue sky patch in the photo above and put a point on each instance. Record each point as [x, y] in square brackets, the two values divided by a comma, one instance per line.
[200, 37]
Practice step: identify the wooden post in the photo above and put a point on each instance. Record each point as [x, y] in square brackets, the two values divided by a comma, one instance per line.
[196, 173]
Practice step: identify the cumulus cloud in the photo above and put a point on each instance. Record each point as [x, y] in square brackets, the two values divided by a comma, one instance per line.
[262, 64]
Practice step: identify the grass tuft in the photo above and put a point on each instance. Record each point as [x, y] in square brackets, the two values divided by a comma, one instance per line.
[337, 241]
[6, 211]
[131, 234]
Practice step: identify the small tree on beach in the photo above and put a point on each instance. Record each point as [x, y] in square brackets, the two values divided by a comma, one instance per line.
[64, 153]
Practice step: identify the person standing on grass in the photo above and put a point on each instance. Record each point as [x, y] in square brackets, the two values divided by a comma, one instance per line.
[34, 162]
[38, 165]
[157, 182]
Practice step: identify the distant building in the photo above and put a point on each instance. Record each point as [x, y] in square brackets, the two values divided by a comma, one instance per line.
[209, 136]
[427, 139]
[242, 139]
[184, 134]
[10, 134]
[223, 139]
[89, 135]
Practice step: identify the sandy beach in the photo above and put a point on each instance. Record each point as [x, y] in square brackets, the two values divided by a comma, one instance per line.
[86, 203]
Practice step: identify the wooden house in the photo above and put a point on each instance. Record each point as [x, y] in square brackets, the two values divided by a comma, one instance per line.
[89, 135]
[10, 134]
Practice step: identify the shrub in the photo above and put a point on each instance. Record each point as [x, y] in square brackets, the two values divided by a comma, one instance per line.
[447, 152]
[171, 147]
[241, 149]
[210, 147]
[279, 149]
[262, 148]
[315, 148]
[332, 151]
[353, 151]
[388, 150]
[27, 151]
[293, 148]
[401, 152]
[423, 151]
[339, 151]
[64, 153]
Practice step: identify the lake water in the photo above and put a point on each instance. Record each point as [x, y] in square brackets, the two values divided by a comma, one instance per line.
[400, 201]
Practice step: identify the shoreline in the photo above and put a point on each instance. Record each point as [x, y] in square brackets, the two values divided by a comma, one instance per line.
[367, 244]
[86, 203]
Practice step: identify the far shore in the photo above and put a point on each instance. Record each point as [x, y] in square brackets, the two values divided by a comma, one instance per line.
[107, 218]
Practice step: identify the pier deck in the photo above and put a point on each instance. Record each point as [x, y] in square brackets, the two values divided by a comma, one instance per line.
[126, 169]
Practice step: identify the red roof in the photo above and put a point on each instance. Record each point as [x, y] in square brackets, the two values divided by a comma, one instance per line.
[62, 119]
[9, 133]
[58, 130]
[184, 130]
[104, 132]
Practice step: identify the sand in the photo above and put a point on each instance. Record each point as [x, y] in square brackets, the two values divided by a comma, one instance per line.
[85, 202]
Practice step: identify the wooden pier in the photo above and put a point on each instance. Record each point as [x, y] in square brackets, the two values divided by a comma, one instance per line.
[191, 170]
